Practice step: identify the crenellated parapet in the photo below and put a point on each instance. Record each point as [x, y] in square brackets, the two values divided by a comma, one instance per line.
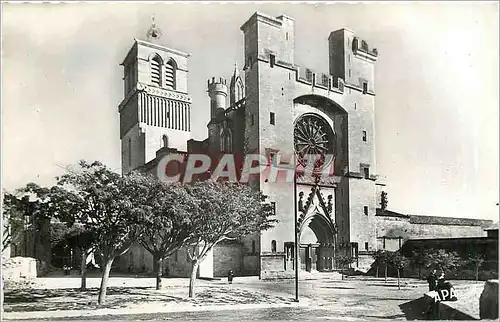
[361, 48]
[320, 80]
[217, 90]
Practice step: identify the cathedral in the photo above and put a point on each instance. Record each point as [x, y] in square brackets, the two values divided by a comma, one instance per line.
[271, 107]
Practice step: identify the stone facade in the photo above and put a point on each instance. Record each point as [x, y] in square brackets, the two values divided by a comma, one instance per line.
[272, 107]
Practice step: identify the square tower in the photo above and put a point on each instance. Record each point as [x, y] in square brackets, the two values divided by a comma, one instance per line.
[156, 108]
[352, 60]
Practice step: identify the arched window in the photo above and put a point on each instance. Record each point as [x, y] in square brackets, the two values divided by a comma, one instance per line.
[222, 140]
[165, 141]
[229, 140]
[239, 91]
[273, 246]
[155, 70]
[170, 71]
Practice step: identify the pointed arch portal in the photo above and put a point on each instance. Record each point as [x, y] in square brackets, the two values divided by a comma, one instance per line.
[317, 234]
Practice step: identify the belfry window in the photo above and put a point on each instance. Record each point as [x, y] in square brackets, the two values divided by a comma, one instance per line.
[155, 71]
[170, 71]
[273, 246]
[365, 87]
[165, 141]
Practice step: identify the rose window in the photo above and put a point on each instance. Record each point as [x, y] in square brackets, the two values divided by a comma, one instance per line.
[313, 136]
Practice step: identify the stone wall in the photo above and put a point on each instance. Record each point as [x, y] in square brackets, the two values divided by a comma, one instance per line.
[424, 227]
[18, 268]
[488, 302]
[227, 257]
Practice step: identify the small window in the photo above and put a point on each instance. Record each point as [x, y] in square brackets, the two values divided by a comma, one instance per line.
[273, 246]
[365, 210]
[165, 141]
[252, 121]
[364, 136]
[272, 60]
[349, 72]
[129, 152]
[366, 173]
[365, 87]
[355, 105]
[271, 118]
[286, 36]
[366, 246]
[253, 246]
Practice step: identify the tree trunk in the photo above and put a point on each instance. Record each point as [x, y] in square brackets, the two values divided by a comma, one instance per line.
[376, 274]
[399, 285]
[477, 273]
[104, 282]
[159, 270]
[194, 271]
[83, 269]
[386, 272]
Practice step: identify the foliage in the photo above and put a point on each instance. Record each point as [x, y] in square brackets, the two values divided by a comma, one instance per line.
[477, 261]
[380, 256]
[105, 204]
[383, 200]
[224, 211]
[24, 210]
[397, 260]
[165, 221]
[442, 259]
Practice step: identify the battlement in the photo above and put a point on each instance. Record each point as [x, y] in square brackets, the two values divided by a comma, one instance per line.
[360, 46]
[217, 85]
[321, 80]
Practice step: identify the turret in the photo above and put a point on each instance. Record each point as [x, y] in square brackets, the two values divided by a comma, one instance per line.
[217, 90]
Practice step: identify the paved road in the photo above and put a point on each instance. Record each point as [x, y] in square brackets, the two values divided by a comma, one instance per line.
[291, 313]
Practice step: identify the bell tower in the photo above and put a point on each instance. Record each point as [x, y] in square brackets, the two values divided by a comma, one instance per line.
[156, 109]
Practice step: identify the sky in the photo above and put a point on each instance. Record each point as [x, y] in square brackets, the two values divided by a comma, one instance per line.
[436, 79]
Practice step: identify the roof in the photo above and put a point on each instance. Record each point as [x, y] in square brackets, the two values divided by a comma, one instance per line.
[492, 227]
[434, 220]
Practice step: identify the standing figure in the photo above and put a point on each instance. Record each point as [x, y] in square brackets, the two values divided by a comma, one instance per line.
[230, 276]
[432, 280]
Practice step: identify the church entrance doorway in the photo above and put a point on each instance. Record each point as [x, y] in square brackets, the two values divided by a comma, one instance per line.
[317, 252]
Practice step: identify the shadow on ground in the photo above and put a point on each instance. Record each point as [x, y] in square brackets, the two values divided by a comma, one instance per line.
[415, 310]
[30, 300]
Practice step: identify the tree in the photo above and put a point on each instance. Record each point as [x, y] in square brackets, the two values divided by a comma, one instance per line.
[419, 259]
[166, 223]
[105, 204]
[223, 211]
[477, 261]
[13, 222]
[85, 241]
[442, 259]
[344, 261]
[398, 261]
[25, 210]
[383, 200]
[380, 257]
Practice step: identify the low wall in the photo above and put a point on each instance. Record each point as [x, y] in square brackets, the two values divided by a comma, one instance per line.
[488, 302]
[447, 310]
[273, 266]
